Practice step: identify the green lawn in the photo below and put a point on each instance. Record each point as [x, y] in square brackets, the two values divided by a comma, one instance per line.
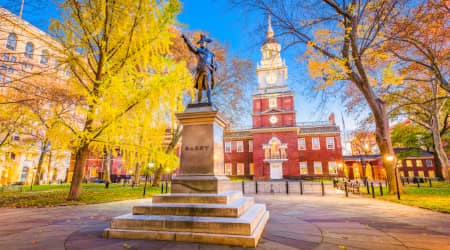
[436, 197]
[55, 195]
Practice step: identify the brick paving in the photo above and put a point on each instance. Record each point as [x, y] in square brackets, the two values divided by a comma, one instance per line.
[297, 222]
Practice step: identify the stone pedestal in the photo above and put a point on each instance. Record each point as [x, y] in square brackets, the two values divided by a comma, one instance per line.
[203, 207]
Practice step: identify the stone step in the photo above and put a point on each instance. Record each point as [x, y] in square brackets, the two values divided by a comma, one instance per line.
[209, 238]
[221, 198]
[234, 209]
[243, 225]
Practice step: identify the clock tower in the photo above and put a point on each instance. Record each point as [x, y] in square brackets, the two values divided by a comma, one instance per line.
[273, 102]
[274, 127]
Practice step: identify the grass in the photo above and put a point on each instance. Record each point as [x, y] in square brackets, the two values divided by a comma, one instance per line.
[436, 197]
[55, 195]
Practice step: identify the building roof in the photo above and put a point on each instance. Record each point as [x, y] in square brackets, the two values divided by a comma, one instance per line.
[310, 128]
[412, 152]
[404, 153]
[270, 40]
[237, 133]
[319, 129]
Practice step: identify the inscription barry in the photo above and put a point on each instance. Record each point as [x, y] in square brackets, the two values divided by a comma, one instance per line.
[196, 148]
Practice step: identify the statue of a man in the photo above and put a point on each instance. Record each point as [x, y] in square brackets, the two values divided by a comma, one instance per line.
[206, 65]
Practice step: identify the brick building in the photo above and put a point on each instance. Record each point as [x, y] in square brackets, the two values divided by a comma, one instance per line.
[276, 146]
[28, 59]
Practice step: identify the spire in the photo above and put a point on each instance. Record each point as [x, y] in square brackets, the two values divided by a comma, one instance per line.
[269, 28]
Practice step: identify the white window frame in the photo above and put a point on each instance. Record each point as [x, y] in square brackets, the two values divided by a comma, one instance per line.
[429, 163]
[250, 146]
[240, 171]
[301, 143]
[45, 55]
[29, 50]
[409, 163]
[419, 163]
[227, 147]
[315, 146]
[335, 172]
[272, 102]
[228, 168]
[330, 143]
[318, 164]
[303, 165]
[239, 146]
[11, 42]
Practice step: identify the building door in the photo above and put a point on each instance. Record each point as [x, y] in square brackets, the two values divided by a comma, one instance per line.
[276, 170]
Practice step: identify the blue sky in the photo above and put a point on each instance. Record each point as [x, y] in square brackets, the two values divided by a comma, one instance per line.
[228, 24]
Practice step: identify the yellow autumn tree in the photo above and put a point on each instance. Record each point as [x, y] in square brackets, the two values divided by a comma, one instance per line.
[117, 52]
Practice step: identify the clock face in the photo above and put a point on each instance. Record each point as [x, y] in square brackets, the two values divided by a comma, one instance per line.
[271, 78]
[273, 119]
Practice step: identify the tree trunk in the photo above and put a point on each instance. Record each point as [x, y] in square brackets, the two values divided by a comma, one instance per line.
[437, 164]
[440, 152]
[107, 174]
[38, 174]
[49, 166]
[157, 179]
[383, 137]
[78, 172]
[137, 173]
[436, 133]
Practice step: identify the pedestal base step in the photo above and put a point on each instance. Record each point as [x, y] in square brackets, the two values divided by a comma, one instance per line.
[234, 209]
[243, 225]
[210, 238]
[221, 198]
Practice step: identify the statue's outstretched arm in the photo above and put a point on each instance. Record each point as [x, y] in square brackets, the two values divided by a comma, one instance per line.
[189, 44]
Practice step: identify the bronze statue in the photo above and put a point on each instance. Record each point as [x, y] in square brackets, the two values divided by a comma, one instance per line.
[206, 65]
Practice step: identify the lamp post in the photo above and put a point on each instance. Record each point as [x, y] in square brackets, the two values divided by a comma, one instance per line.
[149, 166]
[391, 158]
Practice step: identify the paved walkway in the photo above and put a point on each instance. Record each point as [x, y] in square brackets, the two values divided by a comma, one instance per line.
[297, 222]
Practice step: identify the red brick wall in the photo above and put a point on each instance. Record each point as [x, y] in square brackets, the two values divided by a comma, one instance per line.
[404, 168]
[235, 157]
[285, 103]
[323, 155]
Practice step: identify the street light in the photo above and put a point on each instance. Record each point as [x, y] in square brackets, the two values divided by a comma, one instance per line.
[149, 166]
[391, 158]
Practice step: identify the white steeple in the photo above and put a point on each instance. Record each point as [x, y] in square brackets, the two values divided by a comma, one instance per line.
[269, 32]
[271, 70]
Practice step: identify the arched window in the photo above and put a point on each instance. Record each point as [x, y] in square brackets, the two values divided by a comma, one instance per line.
[12, 41]
[44, 57]
[29, 50]
[274, 150]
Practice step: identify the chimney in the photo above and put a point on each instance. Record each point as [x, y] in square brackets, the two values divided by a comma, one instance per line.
[331, 119]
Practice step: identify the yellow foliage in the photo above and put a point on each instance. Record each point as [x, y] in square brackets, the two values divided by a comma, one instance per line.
[129, 84]
[328, 71]
[390, 77]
